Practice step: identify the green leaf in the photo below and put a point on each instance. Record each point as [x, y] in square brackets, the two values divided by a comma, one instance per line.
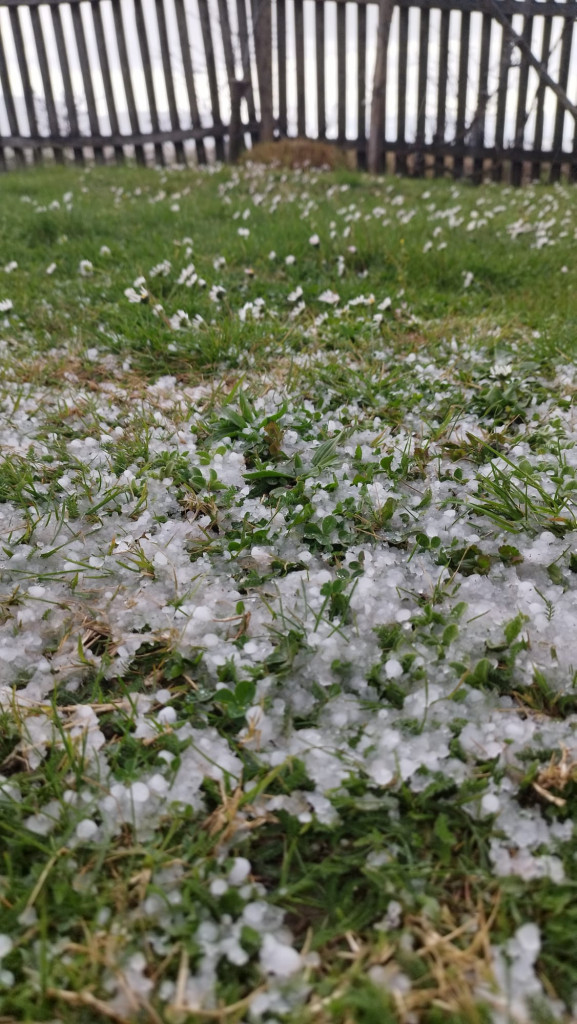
[386, 512]
[225, 696]
[426, 500]
[450, 633]
[329, 524]
[443, 832]
[510, 555]
[555, 575]
[324, 455]
[481, 672]
[244, 691]
[269, 474]
[514, 627]
[246, 407]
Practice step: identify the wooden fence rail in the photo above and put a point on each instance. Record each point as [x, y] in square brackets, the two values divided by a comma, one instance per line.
[480, 87]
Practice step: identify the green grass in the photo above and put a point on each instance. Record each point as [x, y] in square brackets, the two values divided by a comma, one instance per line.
[323, 436]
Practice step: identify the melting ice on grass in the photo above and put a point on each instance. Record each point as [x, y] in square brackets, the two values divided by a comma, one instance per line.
[159, 571]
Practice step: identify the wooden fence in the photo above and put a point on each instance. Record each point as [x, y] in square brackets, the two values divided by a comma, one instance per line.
[481, 87]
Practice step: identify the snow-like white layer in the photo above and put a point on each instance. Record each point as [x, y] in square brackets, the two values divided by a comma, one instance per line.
[109, 558]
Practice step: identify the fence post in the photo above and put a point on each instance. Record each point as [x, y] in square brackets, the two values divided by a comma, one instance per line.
[238, 88]
[262, 25]
[375, 160]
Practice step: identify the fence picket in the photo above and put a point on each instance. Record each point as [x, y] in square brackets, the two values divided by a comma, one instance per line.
[66, 81]
[168, 79]
[106, 78]
[126, 79]
[226, 37]
[245, 57]
[478, 126]
[300, 63]
[25, 76]
[401, 157]
[46, 82]
[341, 73]
[281, 64]
[262, 32]
[148, 81]
[504, 65]
[567, 40]
[320, 62]
[86, 78]
[521, 115]
[461, 128]
[185, 51]
[540, 115]
[442, 90]
[211, 74]
[9, 104]
[361, 86]
[422, 91]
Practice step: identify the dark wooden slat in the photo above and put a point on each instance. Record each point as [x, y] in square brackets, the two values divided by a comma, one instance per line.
[573, 165]
[211, 72]
[66, 81]
[236, 143]
[86, 77]
[376, 161]
[281, 62]
[506, 156]
[504, 65]
[300, 63]
[226, 36]
[422, 89]
[320, 60]
[401, 159]
[262, 32]
[142, 138]
[540, 113]
[106, 78]
[244, 39]
[189, 74]
[341, 73]
[478, 127]
[25, 76]
[168, 78]
[462, 88]
[9, 102]
[147, 68]
[126, 79]
[442, 90]
[521, 114]
[46, 81]
[563, 78]
[361, 85]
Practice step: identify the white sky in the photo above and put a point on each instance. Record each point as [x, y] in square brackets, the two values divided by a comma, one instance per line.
[310, 70]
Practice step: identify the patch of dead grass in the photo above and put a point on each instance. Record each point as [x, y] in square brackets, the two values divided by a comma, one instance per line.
[296, 153]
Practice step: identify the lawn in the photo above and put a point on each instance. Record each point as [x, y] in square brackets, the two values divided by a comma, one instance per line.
[288, 572]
